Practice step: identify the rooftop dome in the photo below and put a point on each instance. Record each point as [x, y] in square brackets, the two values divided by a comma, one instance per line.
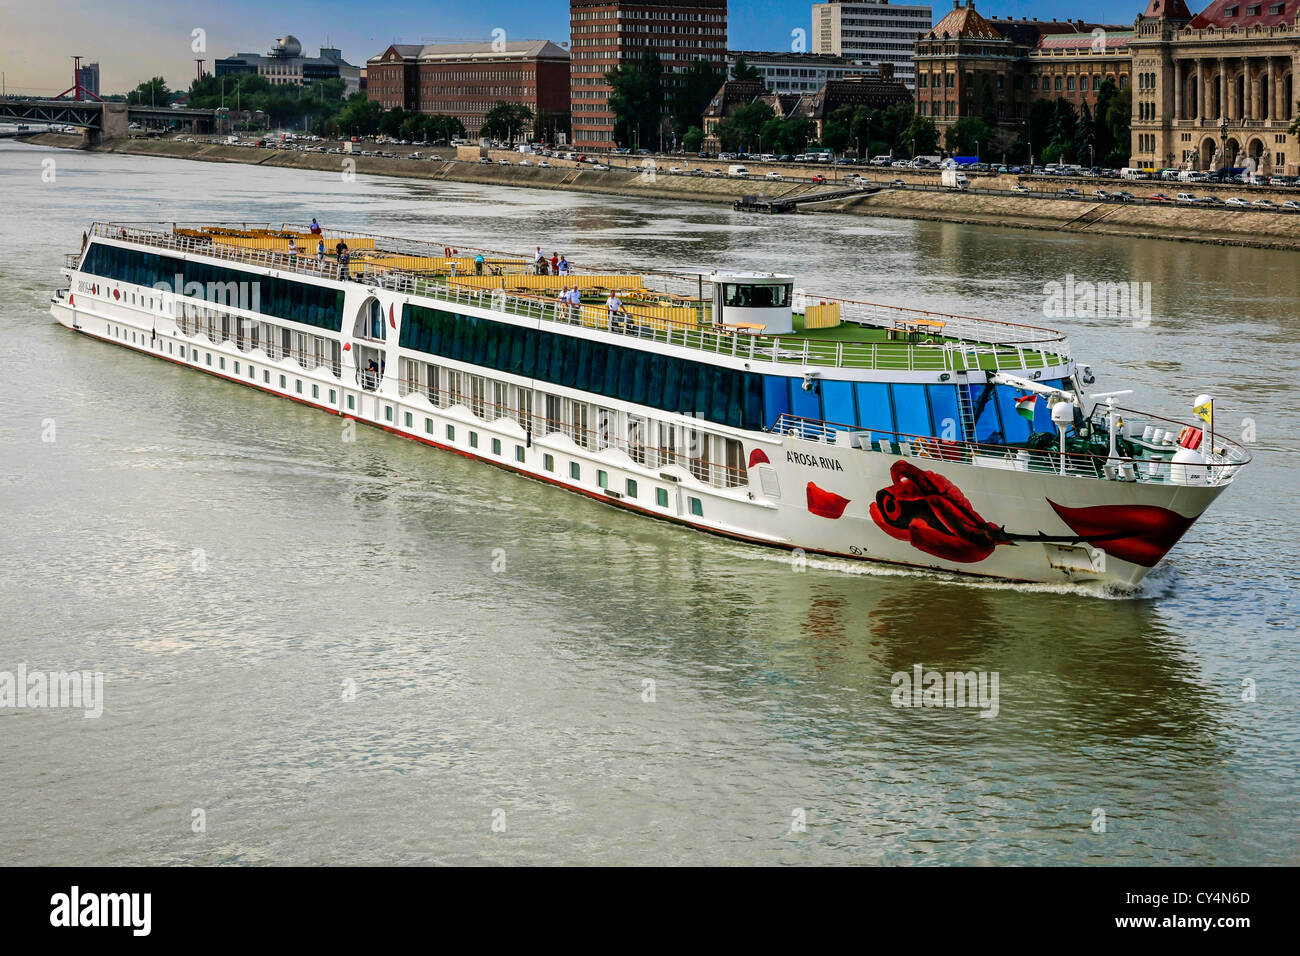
[287, 45]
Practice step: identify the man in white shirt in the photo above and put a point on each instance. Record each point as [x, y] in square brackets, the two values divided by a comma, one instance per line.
[615, 308]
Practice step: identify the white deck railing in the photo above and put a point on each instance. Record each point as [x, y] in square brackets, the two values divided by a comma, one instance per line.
[969, 343]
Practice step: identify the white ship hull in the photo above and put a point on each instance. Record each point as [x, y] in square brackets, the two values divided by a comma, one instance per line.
[971, 517]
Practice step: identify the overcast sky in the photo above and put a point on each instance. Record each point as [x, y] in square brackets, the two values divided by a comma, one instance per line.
[135, 39]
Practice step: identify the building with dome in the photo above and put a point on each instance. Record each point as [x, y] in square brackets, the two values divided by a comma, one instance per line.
[1210, 90]
[284, 65]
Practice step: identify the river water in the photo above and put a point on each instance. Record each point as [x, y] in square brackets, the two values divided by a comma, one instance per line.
[317, 651]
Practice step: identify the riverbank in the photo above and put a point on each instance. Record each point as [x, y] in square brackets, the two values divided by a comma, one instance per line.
[1187, 223]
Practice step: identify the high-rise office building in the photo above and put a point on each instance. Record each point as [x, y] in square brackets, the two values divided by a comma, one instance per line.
[871, 31]
[607, 33]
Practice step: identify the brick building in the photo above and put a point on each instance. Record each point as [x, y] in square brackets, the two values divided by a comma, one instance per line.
[466, 80]
[606, 33]
[966, 59]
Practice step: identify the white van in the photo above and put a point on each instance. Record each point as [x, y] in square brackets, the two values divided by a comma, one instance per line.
[1186, 197]
[1129, 172]
[737, 171]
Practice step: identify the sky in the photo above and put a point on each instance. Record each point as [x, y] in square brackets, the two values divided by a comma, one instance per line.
[135, 39]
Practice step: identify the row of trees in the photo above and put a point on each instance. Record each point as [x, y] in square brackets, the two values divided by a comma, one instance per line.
[1056, 130]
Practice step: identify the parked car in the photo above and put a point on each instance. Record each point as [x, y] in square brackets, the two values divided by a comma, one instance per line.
[601, 166]
[819, 178]
[1211, 201]
[1291, 205]
[1159, 197]
[1237, 201]
[1265, 204]
[1100, 194]
[544, 165]
[773, 175]
[1020, 188]
[897, 183]
[1186, 197]
[1122, 195]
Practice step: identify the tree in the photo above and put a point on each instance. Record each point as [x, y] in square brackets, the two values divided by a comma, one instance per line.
[743, 71]
[506, 121]
[693, 140]
[1119, 116]
[837, 129]
[968, 135]
[152, 92]
[988, 108]
[1063, 127]
[1086, 134]
[390, 124]
[691, 96]
[637, 100]
[922, 132]
[360, 116]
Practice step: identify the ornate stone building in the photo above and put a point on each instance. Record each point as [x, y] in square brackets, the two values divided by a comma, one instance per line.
[1216, 89]
[1210, 90]
[968, 58]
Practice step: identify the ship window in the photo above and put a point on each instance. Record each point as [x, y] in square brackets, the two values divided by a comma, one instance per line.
[473, 439]
[519, 453]
[630, 487]
[661, 497]
[266, 377]
[388, 413]
[496, 446]
[548, 462]
[428, 426]
[333, 396]
[352, 402]
[697, 508]
[315, 391]
[297, 385]
[451, 433]
[182, 351]
[602, 478]
[911, 409]
[743, 296]
[208, 357]
[713, 393]
[222, 362]
[236, 368]
[575, 471]
[944, 411]
[409, 419]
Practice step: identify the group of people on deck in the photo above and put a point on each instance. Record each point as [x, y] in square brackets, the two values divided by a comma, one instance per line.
[556, 265]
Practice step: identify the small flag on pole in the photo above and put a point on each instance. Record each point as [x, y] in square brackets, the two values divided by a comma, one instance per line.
[1205, 410]
[1026, 405]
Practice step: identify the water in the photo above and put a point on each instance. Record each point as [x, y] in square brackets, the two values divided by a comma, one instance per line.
[235, 568]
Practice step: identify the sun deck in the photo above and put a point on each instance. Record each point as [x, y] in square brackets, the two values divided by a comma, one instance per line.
[665, 308]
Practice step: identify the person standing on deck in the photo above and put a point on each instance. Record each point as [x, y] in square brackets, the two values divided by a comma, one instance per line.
[555, 264]
[538, 258]
[320, 252]
[564, 267]
[615, 309]
[315, 227]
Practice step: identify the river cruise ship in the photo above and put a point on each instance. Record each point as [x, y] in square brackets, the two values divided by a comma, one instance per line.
[733, 403]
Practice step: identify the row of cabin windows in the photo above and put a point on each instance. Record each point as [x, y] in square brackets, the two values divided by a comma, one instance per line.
[710, 392]
[630, 485]
[711, 458]
[308, 350]
[278, 297]
[743, 399]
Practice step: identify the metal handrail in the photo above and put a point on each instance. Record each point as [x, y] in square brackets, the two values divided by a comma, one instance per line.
[1220, 469]
[994, 345]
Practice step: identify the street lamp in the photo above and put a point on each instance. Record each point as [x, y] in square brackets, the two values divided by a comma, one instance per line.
[1223, 143]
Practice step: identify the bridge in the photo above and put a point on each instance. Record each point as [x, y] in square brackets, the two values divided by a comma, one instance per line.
[102, 120]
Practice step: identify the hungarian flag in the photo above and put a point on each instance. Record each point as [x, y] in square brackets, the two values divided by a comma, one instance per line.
[1025, 406]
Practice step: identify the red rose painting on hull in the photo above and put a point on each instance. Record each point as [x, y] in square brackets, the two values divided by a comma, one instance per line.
[929, 512]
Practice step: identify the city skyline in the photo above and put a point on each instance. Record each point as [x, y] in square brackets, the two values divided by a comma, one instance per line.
[136, 39]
